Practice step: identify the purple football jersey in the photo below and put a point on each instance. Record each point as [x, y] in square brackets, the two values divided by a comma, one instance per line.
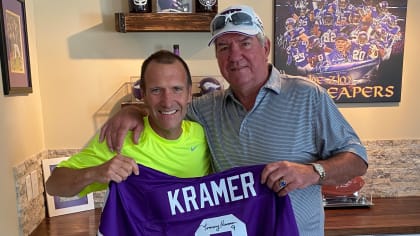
[232, 202]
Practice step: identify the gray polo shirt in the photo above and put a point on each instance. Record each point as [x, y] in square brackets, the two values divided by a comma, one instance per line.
[292, 119]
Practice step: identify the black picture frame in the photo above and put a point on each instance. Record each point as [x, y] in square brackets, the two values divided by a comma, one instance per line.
[14, 50]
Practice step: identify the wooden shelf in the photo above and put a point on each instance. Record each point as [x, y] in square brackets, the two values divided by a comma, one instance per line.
[163, 22]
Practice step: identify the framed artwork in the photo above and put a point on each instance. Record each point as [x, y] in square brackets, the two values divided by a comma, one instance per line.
[64, 205]
[352, 48]
[14, 50]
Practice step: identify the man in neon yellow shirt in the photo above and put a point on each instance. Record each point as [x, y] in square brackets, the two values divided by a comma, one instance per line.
[168, 143]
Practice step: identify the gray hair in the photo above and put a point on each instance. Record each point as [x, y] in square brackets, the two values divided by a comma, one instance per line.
[260, 37]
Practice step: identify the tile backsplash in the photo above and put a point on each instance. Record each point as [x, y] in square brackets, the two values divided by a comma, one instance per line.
[394, 167]
[31, 207]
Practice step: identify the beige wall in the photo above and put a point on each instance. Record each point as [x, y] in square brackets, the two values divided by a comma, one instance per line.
[78, 61]
[21, 135]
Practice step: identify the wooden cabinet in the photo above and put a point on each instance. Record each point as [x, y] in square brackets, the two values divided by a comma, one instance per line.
[160, 22]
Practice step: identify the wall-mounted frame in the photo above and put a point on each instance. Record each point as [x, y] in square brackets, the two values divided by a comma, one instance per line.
[14, 50]
[64, 205]
[353, 48]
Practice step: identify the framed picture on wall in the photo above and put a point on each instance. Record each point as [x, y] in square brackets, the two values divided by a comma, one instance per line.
[353, 48]
[64, 205]
[14, 50]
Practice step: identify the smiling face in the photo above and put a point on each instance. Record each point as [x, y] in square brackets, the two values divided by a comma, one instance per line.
[242, 60]
[166, 94]
[341, 45]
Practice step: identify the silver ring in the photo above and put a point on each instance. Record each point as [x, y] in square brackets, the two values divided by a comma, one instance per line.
[282, 183]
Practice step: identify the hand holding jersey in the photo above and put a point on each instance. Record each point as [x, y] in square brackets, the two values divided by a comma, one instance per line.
[68, 182]
[284, 176]
[117, 169]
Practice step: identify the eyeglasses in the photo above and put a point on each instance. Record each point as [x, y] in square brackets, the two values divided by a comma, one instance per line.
[234, 16]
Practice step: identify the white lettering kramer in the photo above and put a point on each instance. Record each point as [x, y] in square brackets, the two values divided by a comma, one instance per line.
[210, 194]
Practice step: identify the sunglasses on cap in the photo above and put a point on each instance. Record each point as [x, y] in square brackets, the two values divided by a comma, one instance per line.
[234, 16]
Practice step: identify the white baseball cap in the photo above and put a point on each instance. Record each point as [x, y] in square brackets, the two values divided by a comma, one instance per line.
[236, 19]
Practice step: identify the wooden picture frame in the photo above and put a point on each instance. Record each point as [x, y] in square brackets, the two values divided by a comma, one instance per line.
[14, 50]
[64, 205]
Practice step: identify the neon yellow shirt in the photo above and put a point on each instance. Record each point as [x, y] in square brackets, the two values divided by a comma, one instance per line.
[188, 156]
